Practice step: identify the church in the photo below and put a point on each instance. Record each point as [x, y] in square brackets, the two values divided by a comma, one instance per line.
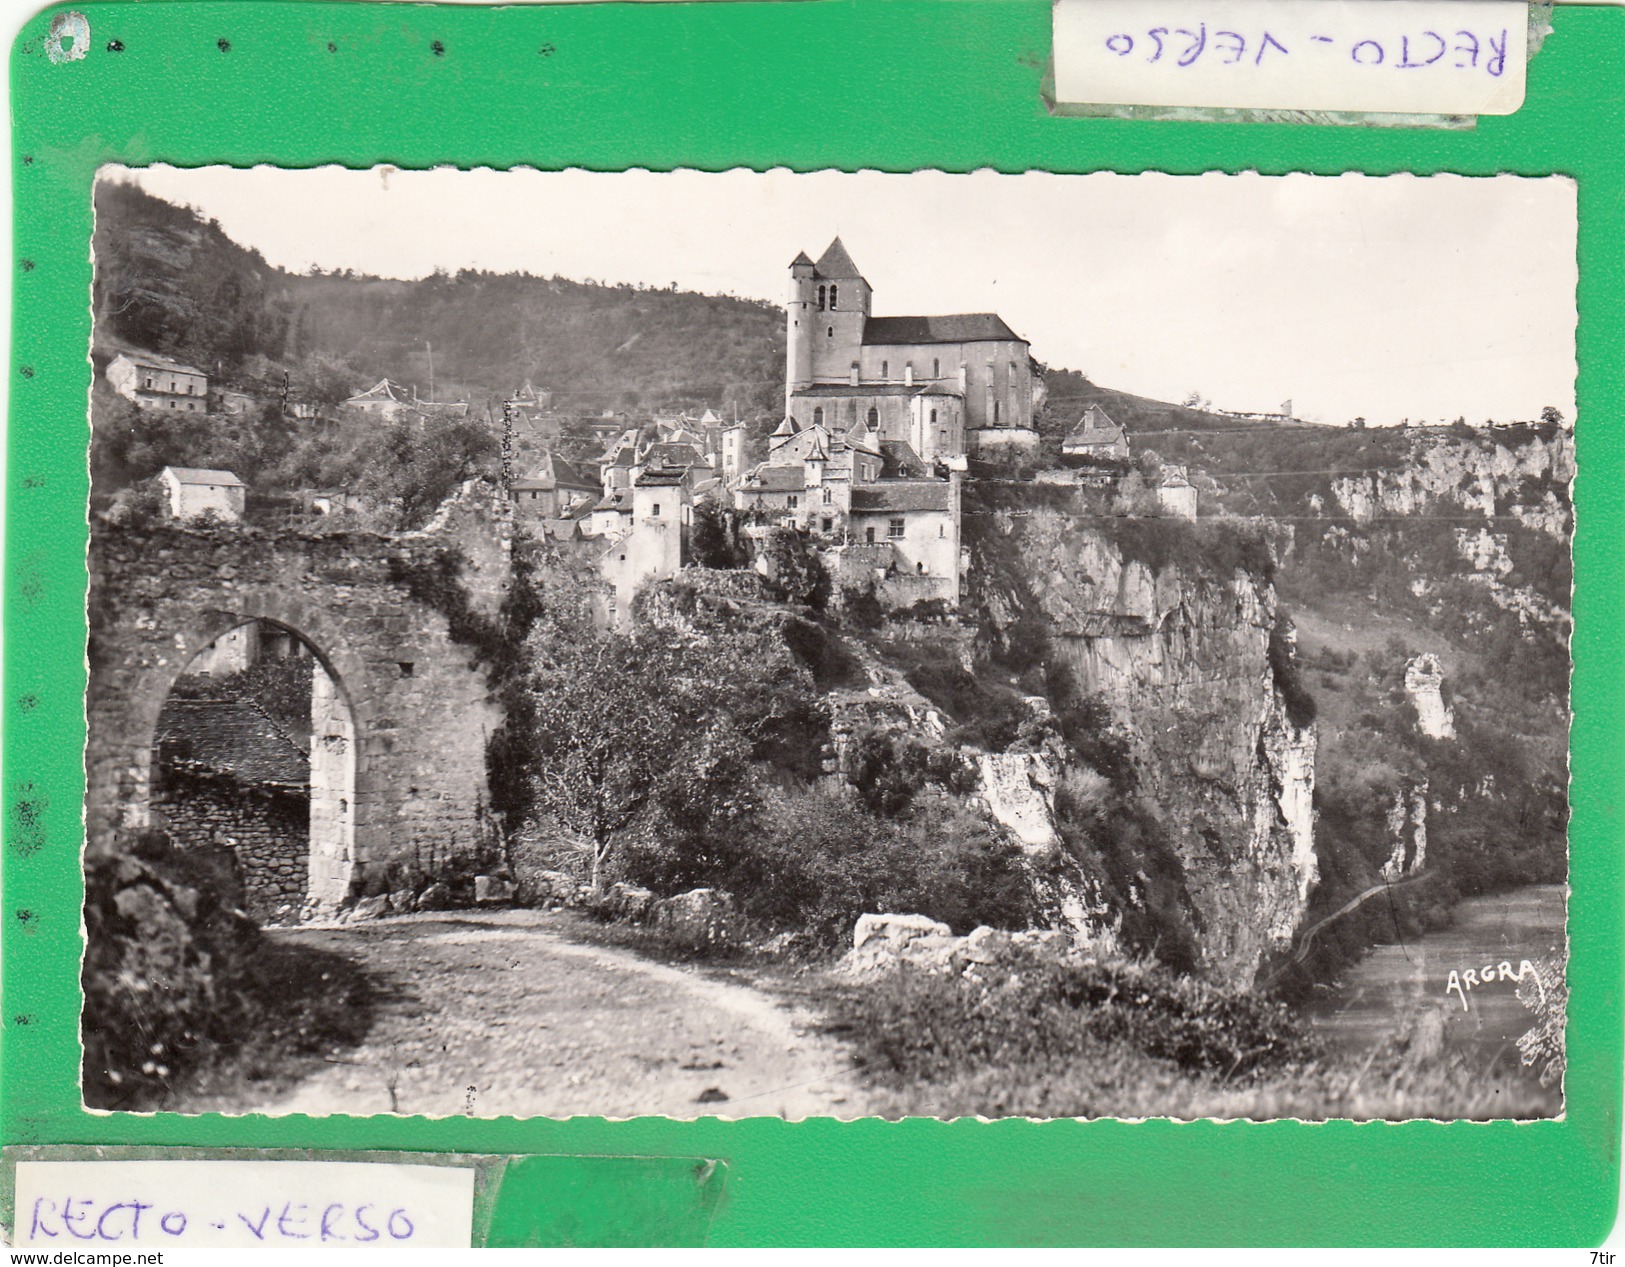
[938, 384]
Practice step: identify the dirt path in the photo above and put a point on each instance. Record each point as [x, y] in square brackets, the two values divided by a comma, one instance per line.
[496, 1013]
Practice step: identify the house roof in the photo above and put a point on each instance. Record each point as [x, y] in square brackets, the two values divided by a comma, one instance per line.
[901, 461]
[859, 437]
[662, 477]
[801, 258]
[836, 263]
[775, 479]
[383, 389]
[969, 327]
[555, 472]
[786, 428]
[152, 361]
[669, 453]
[843, 390]
[574, 475]
[1095, 427]
[890, 495]
[232, 737]
[199, 475]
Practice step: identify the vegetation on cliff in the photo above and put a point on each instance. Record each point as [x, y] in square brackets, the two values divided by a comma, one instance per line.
[691, 754]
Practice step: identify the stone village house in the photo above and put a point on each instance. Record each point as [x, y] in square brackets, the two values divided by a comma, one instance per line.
[156, 382]
[190, 491]
[1096, 437]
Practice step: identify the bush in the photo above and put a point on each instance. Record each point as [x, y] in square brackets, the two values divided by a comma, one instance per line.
[914, 1025]
[813, 862]
[987, 714]
[795, 572]
[713, 538]
[1300, 704]
[174, 979]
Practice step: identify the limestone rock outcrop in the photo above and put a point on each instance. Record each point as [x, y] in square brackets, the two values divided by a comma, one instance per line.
[1179, 651]
[1424, 682]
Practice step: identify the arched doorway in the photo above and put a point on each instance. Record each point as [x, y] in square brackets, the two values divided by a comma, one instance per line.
[253, 770]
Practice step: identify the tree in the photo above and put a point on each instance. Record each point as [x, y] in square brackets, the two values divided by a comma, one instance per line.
[795, 572]
[652, 738]
[1552, 414]
[714, 537]
[606, 733]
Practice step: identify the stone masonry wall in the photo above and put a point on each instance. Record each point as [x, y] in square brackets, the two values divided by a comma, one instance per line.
[265, 834]
[418, 701]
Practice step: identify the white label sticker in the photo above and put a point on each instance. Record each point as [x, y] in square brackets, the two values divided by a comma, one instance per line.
[152, 1205]
[1386, 56]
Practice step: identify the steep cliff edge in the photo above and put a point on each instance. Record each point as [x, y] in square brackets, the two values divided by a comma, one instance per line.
[1169, 628]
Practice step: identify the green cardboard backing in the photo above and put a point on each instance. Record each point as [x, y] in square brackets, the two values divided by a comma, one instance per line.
[889, 84]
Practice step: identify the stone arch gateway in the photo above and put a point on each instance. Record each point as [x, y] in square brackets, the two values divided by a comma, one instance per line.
[412, 700]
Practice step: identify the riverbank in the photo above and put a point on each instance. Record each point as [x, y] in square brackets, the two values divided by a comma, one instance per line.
[1468, 985]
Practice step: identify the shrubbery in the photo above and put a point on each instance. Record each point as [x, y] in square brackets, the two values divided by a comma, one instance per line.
[914, 1025]
[795, 572]
[174, 980]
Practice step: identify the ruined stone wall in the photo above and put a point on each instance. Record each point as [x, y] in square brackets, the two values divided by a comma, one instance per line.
[263, 834]
[418, 700]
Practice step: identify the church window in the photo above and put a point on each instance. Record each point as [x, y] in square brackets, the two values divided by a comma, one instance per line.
[885, 369]
[933, 417]
[791, 502]
[936, 367]
[874, 416]
[833, 291]
[829, 495]
[821, 299]
[995, 411]
[895, 530]
[818, 416]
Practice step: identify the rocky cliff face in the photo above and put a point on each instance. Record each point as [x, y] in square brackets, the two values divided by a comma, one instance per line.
[1527, 478]
[1179, 653]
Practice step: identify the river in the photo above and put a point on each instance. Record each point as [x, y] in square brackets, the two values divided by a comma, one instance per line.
[1382, 995]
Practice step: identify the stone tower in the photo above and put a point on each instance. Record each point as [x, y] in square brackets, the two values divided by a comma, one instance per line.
[799, 313]
[824, 319]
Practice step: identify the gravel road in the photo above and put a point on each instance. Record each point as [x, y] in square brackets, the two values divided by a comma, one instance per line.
[497, 1013]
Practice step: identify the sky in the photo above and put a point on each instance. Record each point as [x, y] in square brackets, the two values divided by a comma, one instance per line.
[1390, 298]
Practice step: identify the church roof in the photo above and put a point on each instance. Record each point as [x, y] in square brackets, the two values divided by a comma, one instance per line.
[787, 427]
[836, 263]
[968, 327]
[875, 389]
[801, 258]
